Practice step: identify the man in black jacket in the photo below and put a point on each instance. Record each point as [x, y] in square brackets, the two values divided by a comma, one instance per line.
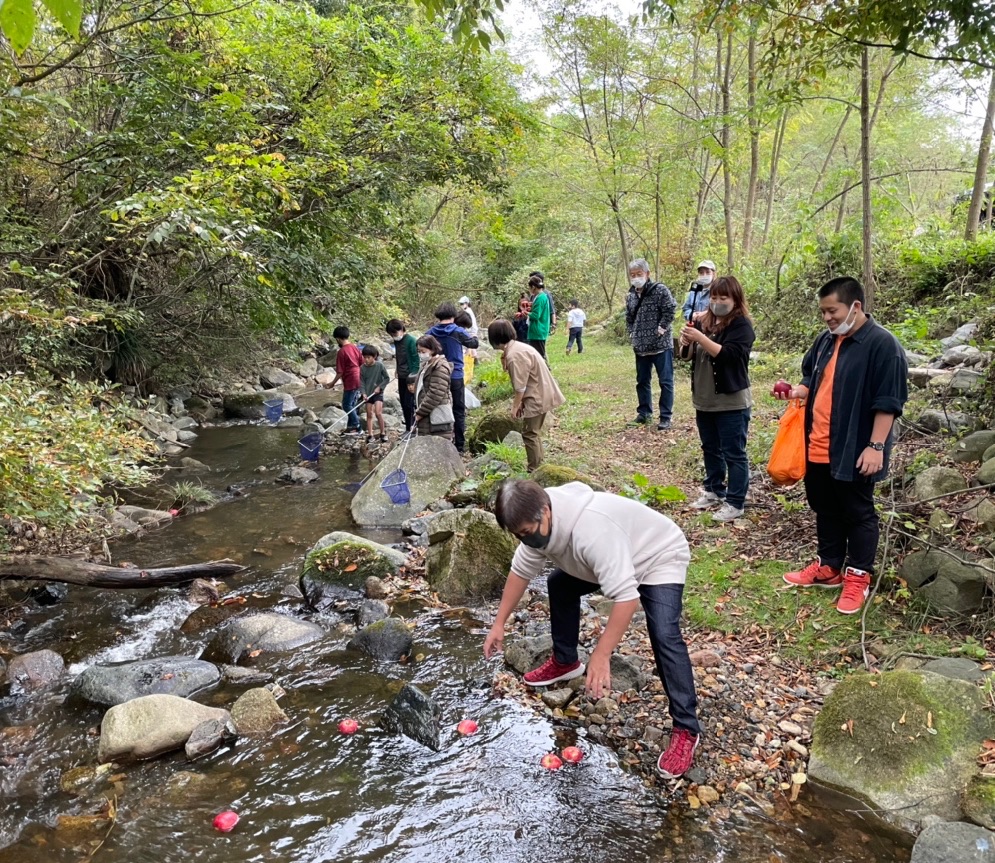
[649, 313]
[854, 378]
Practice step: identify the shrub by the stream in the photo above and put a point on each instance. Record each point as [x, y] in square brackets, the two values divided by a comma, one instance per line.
[62, 449]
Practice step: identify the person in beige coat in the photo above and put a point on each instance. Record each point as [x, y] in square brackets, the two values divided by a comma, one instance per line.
[536, 393]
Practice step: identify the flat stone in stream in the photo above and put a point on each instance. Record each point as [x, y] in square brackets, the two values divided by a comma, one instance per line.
[256, 712]
[151, 725]
[30, 672]
[387, 640]
[108, 685]
[266, 632]
[954, 842]
[415, 715]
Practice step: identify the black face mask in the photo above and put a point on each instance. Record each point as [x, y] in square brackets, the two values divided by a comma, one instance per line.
[536, 539]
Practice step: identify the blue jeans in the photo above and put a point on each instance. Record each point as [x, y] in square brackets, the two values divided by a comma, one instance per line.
[663, 362]
[723, 442]
[349, 399]
[662, 604]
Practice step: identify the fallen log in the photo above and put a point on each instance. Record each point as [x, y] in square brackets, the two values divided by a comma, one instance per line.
[72, 571]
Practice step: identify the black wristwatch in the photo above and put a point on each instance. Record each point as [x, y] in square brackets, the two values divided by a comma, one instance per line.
[878, 446]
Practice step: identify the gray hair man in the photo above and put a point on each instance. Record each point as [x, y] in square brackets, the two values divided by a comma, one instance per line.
[649, 313]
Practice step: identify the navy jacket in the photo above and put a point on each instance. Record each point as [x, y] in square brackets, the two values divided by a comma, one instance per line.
[871, 377]
[453, 339]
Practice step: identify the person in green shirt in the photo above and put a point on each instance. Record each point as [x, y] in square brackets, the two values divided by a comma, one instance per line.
[539, 316]
[406, 358]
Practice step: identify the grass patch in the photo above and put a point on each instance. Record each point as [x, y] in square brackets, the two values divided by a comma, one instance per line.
[513, 456]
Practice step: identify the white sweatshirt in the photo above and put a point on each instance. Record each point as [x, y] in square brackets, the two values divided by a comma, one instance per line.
[613, 541]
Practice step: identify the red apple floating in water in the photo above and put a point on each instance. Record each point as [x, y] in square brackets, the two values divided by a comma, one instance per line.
[348, 726]
[551, 761]
[781, 388]
[573, 754]
[174, 512]
[467, 727]
[225, 821]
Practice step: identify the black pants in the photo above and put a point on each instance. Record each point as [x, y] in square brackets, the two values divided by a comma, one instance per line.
[845, 519]
[456, 387]
[576, 335]
[539, 345]
[407, 404]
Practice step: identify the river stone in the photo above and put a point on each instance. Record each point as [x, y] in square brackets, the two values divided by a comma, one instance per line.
[145, 517]
[491, 428]
[256, 712]
[903, 770]
[151, 725]
[626, 673]
[469, 556]
[307, 368]
[960, 382]
[962, 355]
[193, 466]
[952, 422]
[986, 473]
[938, 480]
[979, 801]
[415, 715]
[250, 406]
[268, 632]
[431, 463]
[108, 685]
[920, 376]
[370, 611]
[954, 843]
[524, 654]
[982, 514]
[298, 475]
[330, 416]
[208, 736]
[293, 423]
[947, 581]
[342, 560]
[972, 447]
[387, 640]
[961, 336]
[956, 668]
[551, 475]
[514, 439]
[273, 378]
[240, 675]
[557, 698]
[30, 672]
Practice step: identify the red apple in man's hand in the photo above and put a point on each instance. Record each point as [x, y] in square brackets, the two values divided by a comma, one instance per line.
[551, 761]
[781, 388]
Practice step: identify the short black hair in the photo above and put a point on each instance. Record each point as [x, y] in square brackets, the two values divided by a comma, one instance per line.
[537, 273]
[370, 351]
[574, 303]
[445, 311]
[847, 289]
[463, 320]
[340, 333]
[395, 326]
[500, 332]
[518, 502]
[430, 342]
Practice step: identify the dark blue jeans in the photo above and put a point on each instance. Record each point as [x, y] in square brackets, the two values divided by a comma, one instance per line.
[576, 335]
[662, 604]
[663, 362]
[349, 399]
[723, 442]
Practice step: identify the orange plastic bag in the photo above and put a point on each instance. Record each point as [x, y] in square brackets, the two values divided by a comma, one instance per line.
[787, 456]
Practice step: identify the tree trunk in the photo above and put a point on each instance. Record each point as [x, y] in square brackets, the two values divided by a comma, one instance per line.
[981, 171]
[623, 241]
[832, 149]
[74, 571]
[775, 157]
[726, 75]
[754, 124]
[865, 175]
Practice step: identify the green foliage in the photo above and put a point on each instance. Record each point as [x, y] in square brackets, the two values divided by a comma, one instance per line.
[492, 383]
[658, 496]
[513, 456]
[185, 492]
[62, 449]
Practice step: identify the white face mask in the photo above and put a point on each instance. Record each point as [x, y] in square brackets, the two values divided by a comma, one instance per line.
[424, 357]
[705, 279]
[847, 324]
[638, 282]
[397, 338]
[720, 310]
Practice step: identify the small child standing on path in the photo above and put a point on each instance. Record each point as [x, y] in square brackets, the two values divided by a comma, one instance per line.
[347, 364]
[373, 378]
[575, 323]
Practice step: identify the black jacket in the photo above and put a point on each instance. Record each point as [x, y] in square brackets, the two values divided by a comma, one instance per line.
[871, 377]
[731, 367]
[644, 313]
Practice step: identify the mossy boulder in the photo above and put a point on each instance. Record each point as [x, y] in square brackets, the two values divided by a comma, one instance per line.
[903, 741]
[550, 475]
[338, 565]
[978, 801]
[470, 555]
[986, 473]
[948, 582]
[972, 447]
[938, 480]
[492, 428]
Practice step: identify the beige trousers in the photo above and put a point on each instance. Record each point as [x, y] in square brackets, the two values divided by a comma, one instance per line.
[531, 434]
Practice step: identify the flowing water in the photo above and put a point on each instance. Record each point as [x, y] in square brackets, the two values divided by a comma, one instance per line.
[306, 793]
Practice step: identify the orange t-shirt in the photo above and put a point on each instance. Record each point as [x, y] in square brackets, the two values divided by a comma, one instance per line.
[822, 410]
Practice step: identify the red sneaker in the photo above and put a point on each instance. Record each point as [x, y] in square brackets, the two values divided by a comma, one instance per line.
[552, 671]
[856, 586]
[816, 574]
[679, 757]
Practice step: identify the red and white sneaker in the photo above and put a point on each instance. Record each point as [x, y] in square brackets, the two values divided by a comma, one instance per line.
[856, 586]
[552, 671]
[679, 757]
[816, 574]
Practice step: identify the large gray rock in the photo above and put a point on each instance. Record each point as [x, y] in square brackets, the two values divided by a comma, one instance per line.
[108, 685]
[626, 673]
[415, 715]
[387, 640]
[431, 463]
[371, 611]
[151, 725]
[957, 668]
[524, 654]
[332, 415]
[986, 473]
[905, 742]
[961, 336]
[954, 843]
[256, 712]
[949, 582]
[469, 556]
[30, 672]
[938, 480]
[921, 376]
[962, 355]
[342, 561]
[973, 446]
[267, 632]
[959, 382]
[307, 368]
[273, 378]
[950, 422]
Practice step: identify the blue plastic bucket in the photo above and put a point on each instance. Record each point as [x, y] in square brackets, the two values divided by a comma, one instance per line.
[274, 410]
[396, 486]
[310, 447]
